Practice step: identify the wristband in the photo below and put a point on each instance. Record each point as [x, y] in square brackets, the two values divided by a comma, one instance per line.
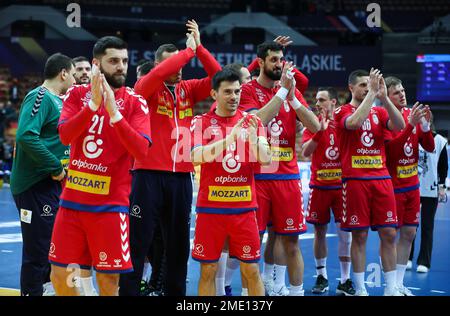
[263, 141]
[92, 106]
[424, 125]
[282, 93]
[116, 117]
[295, 104]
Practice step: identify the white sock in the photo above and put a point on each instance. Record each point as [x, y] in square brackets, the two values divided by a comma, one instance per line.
[268, 271]
[147, 271]
[88, 286]
[232, 265]
[244, 292]
[280, 275]
[296, 290]
[321, 267]
[359, 281]
[220, 275]
[391, 280]
[401, 268]
[345, 270]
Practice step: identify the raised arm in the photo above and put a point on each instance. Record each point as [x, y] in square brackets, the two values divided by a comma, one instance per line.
[355, 120]
[208, 153]
[396, 121]
[136, 143]
[147, 85]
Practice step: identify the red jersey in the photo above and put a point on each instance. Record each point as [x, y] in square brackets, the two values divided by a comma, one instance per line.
[172, 112]
[403, 154]
[362, 151]
[326, 169]
[101, 153]
[281, 132]
[227, 184]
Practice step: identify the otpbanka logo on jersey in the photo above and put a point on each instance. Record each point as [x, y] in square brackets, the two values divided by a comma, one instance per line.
[230, 163]
[82, 179]
[221, 193]
[332, 152]
[369, 158]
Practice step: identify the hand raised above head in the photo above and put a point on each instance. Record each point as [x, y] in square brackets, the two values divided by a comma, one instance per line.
[193, 28]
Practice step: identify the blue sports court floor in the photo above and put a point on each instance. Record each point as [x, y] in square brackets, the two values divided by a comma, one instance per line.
[434, 283]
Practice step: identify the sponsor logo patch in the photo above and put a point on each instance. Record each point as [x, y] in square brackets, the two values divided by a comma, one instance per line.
[230, 193]
[406, 171]
[329, 174]
[282, 154]
[86, 182]
[369, 162]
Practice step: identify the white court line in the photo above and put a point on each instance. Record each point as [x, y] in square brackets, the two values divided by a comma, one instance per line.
[10, 238]
[10, 224]
[436, 291]
[6, 251]
[413, 288]
[8, 288]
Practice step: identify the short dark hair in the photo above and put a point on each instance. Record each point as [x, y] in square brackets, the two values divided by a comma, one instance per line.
[263, 49]
[392, 81]
[169, 48]
[353, 77]
[106, 42]
[79, 59]
[226, 74]
[332, 93]
[55, 64]
[234, 66]
[145, 67]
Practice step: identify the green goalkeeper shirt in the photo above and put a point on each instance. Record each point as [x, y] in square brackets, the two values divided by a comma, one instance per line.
[39, 152]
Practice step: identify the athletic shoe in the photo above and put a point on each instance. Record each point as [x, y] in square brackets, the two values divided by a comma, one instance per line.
[362, 292]
[409, 265]
[282, 291]
[404, 290]
[321, 285]
[228, 291]
[392, 292]
[48, 289]
[156, 293]
[346, 288]
[422, 269]
[144, 289]
[268, 286]
[301, 293]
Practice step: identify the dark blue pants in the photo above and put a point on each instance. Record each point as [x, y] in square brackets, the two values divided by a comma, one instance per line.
[165, 197]
[427, 214]
[157, 258]
[42, 200]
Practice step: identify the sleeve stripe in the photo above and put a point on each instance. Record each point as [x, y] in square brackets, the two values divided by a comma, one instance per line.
[37, 103]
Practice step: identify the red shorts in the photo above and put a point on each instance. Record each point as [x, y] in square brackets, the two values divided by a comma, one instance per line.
[321, 202]
[211, 231]
[408, 207]
[281, 202]
[88, 239]
[368, 203]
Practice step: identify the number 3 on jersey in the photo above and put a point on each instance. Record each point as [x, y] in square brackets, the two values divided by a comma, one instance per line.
[91, 145]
